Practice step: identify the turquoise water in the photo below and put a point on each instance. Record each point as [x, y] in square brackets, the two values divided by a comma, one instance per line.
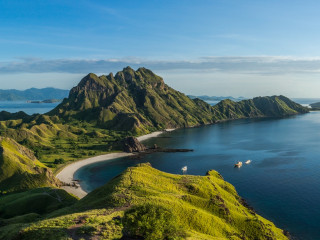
[282, 183]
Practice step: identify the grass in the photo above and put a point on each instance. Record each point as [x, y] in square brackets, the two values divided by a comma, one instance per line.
[20, 169]
[36, 201]
[51, 140]
[204, 207]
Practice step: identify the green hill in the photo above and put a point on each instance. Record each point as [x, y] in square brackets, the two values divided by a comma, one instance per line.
[144, 203]
[20, 170]
[34, 202]
[259, 107]
[139, 101]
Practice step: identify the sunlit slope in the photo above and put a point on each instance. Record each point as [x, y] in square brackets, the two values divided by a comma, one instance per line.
[35, 201]
[131, 100]
[20, 169]
[203, 207]
[140, 101]
[258, 107]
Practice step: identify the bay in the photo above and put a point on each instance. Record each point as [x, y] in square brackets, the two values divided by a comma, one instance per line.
[282, 182]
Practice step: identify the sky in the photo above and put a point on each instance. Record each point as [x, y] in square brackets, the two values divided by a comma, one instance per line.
[201, 47]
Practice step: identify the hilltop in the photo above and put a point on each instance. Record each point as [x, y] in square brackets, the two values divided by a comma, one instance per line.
[167, 205]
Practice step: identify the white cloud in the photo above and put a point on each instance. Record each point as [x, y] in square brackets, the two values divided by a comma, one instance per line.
[262, 65]
[236, 76]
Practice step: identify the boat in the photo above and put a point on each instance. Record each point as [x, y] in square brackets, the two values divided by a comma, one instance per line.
[238, 165]
[248, 161]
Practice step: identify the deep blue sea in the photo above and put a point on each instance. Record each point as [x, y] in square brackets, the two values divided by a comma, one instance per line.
[282, 183]
[29, 108]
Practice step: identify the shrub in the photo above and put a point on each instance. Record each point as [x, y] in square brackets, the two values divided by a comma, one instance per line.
[59, 161]
[151, 222]
[88, 230]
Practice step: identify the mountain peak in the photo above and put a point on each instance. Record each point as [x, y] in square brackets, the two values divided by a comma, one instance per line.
[128, 68]
[89, 77]
[139, 101]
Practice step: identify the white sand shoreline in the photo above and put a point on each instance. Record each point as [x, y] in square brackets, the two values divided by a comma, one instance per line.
[66, 175]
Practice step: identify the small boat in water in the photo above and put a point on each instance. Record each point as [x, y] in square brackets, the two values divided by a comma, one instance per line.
[184, 169]
[238, 165]
[248, 161]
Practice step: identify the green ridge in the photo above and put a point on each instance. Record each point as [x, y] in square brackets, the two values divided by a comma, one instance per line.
[37, 201]
[20, 169]
[202, 207]
[139, 101]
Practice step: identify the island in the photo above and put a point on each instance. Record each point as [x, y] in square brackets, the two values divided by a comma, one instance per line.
[94, 120]
[46, 101]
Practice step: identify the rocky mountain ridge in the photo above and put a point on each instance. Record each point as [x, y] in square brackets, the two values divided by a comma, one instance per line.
[139, 101]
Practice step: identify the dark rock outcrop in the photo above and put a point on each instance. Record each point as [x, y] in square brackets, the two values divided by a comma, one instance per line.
[132, 144]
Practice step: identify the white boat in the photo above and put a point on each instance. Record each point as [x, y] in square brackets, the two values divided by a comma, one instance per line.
[248, 161]
[238, 165]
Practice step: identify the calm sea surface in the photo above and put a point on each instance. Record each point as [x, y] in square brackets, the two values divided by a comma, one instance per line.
[282, 183]
[29, 108]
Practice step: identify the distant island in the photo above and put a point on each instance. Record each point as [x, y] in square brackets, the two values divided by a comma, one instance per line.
[33, 94]
[46, 101]
[216, 98]
[315, 105]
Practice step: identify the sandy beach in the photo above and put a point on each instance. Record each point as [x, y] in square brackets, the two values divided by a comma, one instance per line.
[66, 175]
[154, 134]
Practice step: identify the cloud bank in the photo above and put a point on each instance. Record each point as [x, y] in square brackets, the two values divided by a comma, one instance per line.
[264, 65]
[220, 76]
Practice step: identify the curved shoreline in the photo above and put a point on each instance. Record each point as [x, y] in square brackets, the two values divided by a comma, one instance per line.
[66, 175]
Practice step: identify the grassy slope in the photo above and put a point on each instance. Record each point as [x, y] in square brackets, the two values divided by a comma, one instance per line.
[259, 107]
[139, 101]
[36, 201]
[20, 170]
[52, 138]
[206, 207]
